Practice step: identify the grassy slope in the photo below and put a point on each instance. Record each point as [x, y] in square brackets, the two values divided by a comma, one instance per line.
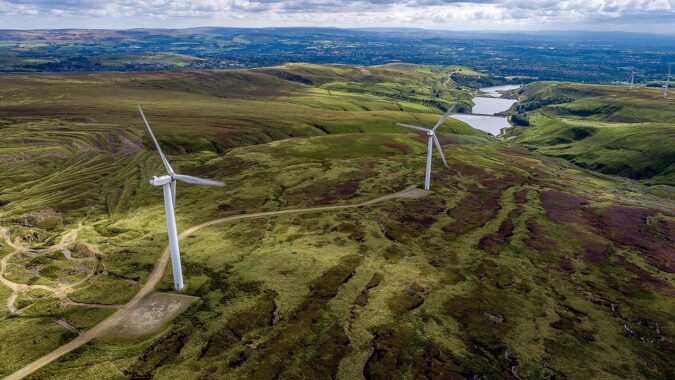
[605, 128]
[487, 275]
[72, 121]
[235, 108]
[73, 145]
[296, 287]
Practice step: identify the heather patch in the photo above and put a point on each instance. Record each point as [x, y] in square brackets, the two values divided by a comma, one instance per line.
[399, 352]
[478, 207]
[307, 326]
[594, 251]
[630, 226]
[561, 206]
[644, 280]
[520, 196]
[538, 239]
[393, 352]
[493, 243]
[571, 324]
[473, 211]
[485, 322]
[346, 189]
[362, 298]
[410, 219]
[410, 299]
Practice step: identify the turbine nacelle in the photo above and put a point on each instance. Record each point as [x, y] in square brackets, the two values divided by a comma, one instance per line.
[161, 181]
[171, 178]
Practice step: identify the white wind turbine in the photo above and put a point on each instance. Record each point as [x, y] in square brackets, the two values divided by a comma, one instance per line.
[432, 140]
[168, 183]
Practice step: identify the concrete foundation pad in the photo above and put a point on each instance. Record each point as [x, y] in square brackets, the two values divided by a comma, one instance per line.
[151, 315]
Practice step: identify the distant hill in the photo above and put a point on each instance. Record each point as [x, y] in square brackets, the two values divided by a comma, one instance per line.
[606, 128]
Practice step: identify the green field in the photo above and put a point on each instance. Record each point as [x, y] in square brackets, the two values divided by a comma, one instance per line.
[515, 265]
[606, 128]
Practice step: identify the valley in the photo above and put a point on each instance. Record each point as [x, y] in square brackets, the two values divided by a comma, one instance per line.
[609, 129]
[321, 257]
[485, 106]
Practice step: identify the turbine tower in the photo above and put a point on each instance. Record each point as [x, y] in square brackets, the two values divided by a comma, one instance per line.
[432, 140]
[632, 78]
[168, 183]
[665, 90]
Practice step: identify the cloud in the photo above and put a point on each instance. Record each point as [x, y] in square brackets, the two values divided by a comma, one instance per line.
[437, 14]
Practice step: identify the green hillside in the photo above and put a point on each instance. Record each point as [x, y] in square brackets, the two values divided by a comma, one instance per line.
[515, 265]
[605, 128]
[217, 110]
[88, 125]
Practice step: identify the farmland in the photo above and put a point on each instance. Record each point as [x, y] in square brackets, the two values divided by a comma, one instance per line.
[596, 57]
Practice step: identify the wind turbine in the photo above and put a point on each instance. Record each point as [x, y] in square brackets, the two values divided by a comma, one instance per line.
[632, 78]
[665, 90]
[168, 183]
[432, 140]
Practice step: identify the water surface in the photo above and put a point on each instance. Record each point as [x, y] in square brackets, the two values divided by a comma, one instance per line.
[490, 105]
[492, 125]
[495, 91]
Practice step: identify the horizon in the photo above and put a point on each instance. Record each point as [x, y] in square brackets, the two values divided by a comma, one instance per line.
[643, 16]
[403, 28]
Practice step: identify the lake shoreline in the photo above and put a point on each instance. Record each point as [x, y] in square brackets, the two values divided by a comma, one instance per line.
[486, 106]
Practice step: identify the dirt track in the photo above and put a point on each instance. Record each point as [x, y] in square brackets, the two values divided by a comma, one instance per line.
[17, 287]
[158, 272]
[61, 291]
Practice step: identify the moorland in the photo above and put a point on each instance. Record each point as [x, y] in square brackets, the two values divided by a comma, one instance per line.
[609, 129]
[520, 263]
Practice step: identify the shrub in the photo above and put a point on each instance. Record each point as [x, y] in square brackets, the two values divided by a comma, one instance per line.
[49, 223]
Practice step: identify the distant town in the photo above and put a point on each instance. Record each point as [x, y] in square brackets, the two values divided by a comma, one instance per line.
[569, 56]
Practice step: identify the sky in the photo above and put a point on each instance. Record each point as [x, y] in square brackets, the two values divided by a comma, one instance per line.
[655, 16]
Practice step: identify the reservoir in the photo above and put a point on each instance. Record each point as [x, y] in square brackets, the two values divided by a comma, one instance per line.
[494, 91]
[489, 105]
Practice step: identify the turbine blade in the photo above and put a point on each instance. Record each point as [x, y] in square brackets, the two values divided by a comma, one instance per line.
[413, 127]
[438, 146]
[196, 180]
[445, 116]
[152, 135]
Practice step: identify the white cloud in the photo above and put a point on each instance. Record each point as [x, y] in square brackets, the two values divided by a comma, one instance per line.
[437, 14]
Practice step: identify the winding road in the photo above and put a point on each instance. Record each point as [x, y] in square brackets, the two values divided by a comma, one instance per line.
[158, 272]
